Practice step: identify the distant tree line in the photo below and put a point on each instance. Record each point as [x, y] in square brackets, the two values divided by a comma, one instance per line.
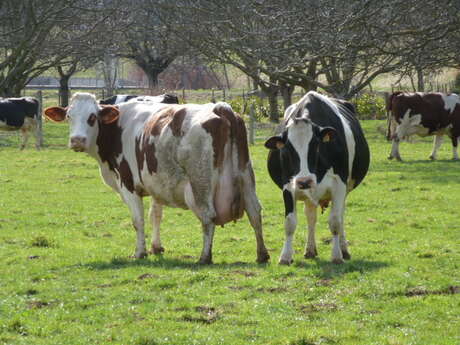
[338, 46]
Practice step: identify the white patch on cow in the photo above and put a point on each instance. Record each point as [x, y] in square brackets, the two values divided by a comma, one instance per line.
[300, 134]
[120, 99]
[450, 101]
[409, 125]
[437, 142]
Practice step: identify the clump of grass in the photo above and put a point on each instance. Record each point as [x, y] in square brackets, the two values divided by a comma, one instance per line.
[41, 242]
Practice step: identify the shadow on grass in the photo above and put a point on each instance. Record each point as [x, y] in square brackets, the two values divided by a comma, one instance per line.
[167, 263]
[325, 269]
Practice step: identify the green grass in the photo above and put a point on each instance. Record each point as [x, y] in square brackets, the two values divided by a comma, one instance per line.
[65, 275]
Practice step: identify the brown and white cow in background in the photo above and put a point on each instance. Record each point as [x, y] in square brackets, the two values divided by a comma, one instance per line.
[189, 156]
[424, 114]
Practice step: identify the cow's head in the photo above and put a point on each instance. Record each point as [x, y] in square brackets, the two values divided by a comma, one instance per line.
[300, 146]
[85, 116]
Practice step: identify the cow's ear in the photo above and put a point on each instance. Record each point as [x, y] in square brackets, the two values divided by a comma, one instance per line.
[275, 143]
[327, 134]
[57, 114]
[109, 114]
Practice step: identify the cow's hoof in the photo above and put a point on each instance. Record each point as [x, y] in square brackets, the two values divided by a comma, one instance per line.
[157, 251]
[432, 158]
[338, 261]
[310, 254]
[455, 159]
[285, 262]
[346, 255]
[390, 157]
[142, 255]
[263, 258]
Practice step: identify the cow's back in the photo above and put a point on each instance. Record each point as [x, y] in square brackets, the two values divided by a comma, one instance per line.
[13, 111]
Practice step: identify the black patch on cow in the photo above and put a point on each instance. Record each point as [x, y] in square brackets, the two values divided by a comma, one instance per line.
[170, 99]
[126, 175]
[288, 202]
[92, 120]
[13, 111]
[109, 143]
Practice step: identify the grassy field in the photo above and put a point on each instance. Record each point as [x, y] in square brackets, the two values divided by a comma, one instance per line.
[65, 275]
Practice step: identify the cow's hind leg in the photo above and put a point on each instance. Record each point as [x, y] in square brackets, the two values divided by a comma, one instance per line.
[339, 242]
[310, 247]
[253, 210]
[395, 150]
[136, 207]
[156, 214]
[437, 141]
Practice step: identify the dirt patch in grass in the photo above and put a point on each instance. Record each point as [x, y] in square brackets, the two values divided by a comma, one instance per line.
[146, 276]
[207, 315]
[312, 308]
[420, 291]
[37, 304]
[272, 289]
[244, 273]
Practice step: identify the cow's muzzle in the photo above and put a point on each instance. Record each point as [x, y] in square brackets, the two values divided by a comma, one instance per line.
[305, 182]
[78, 144]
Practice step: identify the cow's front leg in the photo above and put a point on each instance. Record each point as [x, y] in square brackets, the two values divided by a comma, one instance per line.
[208, 235]
[290, 224]
[310, 247]
[156, 214]
[24, 137]
[437, 141]
[136, 207]
[395, 150]
[339, 243]
[455, 148]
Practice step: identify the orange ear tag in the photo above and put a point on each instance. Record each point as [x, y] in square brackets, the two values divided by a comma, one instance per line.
[326, 138]
[279, 145]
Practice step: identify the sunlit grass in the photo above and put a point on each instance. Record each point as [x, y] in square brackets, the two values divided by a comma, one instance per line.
[66, 276]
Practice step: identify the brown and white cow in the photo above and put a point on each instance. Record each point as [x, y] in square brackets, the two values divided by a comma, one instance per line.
[424, 114]
[189, 156]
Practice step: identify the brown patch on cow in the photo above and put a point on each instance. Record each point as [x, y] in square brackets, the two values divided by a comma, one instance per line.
[241, 143]
[158, 121]
[126, 176]
[219, 130]
[140, 190]
[92, 120]
[176, 122]
[145, 151]
[237, 133]
[109, 143]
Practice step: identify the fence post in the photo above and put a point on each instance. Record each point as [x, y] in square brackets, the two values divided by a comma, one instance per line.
[251, 124]
[183, 95]
[223, 93]
[39, 137]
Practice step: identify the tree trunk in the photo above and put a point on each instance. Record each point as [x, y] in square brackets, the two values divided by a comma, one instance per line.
[420, 80]
[286, 92]
[64, 90]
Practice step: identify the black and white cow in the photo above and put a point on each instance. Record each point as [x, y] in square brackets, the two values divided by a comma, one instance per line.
[116, 99]
[21, 114]
[320, 157]
[165, 98]
[189, 156]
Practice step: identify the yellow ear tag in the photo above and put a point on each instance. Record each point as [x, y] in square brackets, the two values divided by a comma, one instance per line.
[279, 145]
[326, 138]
